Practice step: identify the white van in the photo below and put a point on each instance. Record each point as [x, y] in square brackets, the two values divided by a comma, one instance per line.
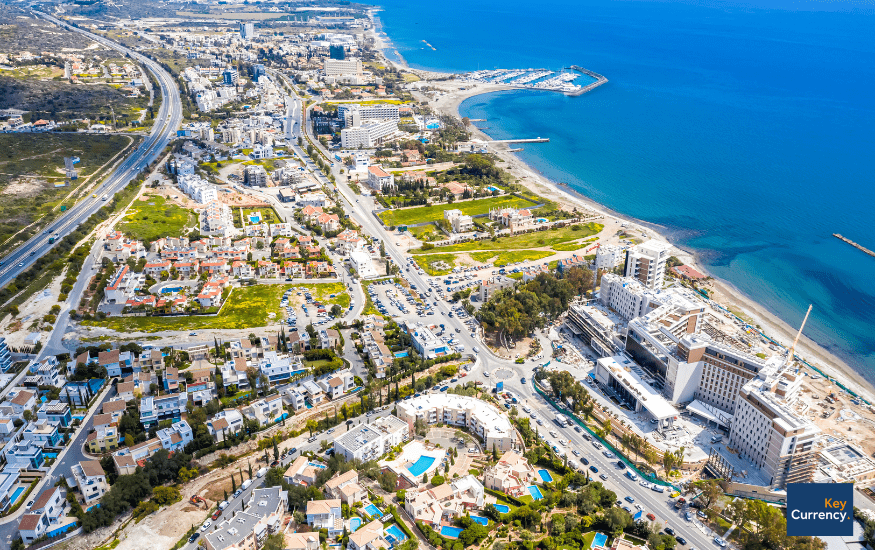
[246, 484]
[261, 472]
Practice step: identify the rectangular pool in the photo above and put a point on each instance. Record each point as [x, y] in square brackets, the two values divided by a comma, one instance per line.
[15, 495]
[504, 509]
[421, 466]
[355, 523]
[451, 532]
[373, 511]
[481, 520]
[535, 492]
[599, 540]
[396, 533]
[545, 476]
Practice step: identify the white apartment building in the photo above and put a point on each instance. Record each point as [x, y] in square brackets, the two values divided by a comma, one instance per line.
[608, 256]
[461, 223]
[363, 264]
[380, 111]
[370, 441]
[248, 528]
[481, 418]
[341, 67]
[91, 479]
[626, 296]
[511, 475]
[646, 262]
[369, 133]
[255, 176]
[198, 189]
[216, 220]
[379, 179]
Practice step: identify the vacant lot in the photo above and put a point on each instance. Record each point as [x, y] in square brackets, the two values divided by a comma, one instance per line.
[31, 165]
[420, 214]
[268, 215]
[501, 259]
[60, 100]
[323, 292]
[247, 307]
[535, 239]
[427, 263]
[153, 216]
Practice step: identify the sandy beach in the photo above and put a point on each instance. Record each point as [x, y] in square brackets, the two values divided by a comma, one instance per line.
[722, 292]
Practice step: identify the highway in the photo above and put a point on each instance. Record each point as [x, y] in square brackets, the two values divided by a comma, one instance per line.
[168, 120]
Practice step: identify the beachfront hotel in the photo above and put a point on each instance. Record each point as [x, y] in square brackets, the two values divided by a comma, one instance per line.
[481, 418]
[371, 441]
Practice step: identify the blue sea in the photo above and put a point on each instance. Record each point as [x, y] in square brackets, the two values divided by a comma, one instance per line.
[745, 131]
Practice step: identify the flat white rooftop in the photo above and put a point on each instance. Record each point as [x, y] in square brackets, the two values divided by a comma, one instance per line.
[622, 369]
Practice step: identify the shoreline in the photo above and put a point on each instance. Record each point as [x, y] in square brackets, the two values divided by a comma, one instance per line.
[722, 292]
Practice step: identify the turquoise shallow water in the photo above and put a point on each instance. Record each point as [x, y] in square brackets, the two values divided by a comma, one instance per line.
[742, 131]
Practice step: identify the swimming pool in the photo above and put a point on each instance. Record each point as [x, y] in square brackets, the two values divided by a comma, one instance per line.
[545, 476]
[172, 290]
[451, 532]
[355, 523]
[481, 520]
[395, 533]
[599, 540]
[401, 354]
[373, 511]
[502, 508]
[535, 492]
[16, 494]
[421, 465]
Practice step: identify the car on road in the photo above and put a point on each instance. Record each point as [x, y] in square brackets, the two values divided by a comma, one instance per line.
[720, 542]
[669, 531]
[603, 476]
[584, 460]
[522, 380]
[628, 510]
[629, 499]
[193, 537]
[621, 465]
[701, 514]
[192, 333]
[206, 525]
[237, 493]
[681, 540]
[594, 469]
[216, 514]
[651, 517]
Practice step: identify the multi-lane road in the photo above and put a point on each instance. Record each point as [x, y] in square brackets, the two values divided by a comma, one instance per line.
[168, 119]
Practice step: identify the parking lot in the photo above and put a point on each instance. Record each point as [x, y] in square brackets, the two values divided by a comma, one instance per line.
[393, 299]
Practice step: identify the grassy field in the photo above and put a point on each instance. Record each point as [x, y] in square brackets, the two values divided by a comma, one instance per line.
[322, 292]
[149, 220]
[501, 259]
[425, 263]
[420, 214]
[247, 307]
[427, 233]
[567, 247]
[536, 239]
[31, 165]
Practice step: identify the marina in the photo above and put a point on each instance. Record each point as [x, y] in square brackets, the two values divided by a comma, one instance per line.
[540, 79]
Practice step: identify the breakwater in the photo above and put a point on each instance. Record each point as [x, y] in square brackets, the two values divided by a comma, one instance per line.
[599, 80]
[855, 245]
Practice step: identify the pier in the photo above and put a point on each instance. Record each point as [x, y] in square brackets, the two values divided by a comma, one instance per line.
[600, 79]
[521, 140]
[855, 245]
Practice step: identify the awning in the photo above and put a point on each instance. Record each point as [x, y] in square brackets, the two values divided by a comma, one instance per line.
[709, 412]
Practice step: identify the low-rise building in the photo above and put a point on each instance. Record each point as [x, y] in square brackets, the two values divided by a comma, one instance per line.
[46, 517]
[346, 488]
[325, 514]
[481, 418]
[248, 528]
[91, 480]
[511, 475]
[370, 441]
[450, 500]
[167, 407]
[102, 440]
[225, 423]
[176, 437]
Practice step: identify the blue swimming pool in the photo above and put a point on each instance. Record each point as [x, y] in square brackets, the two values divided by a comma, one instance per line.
[172, 290]
[373, 511]
[401, 354]
[16, 494]
[502, 508]
[481, 520]
[535, 492]
[451, 532]
[545, 476]
[355, 523]
[421, 466]
[395, 534]
[599, 540]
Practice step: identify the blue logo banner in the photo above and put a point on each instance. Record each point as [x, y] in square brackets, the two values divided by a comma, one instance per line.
[820, 509]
